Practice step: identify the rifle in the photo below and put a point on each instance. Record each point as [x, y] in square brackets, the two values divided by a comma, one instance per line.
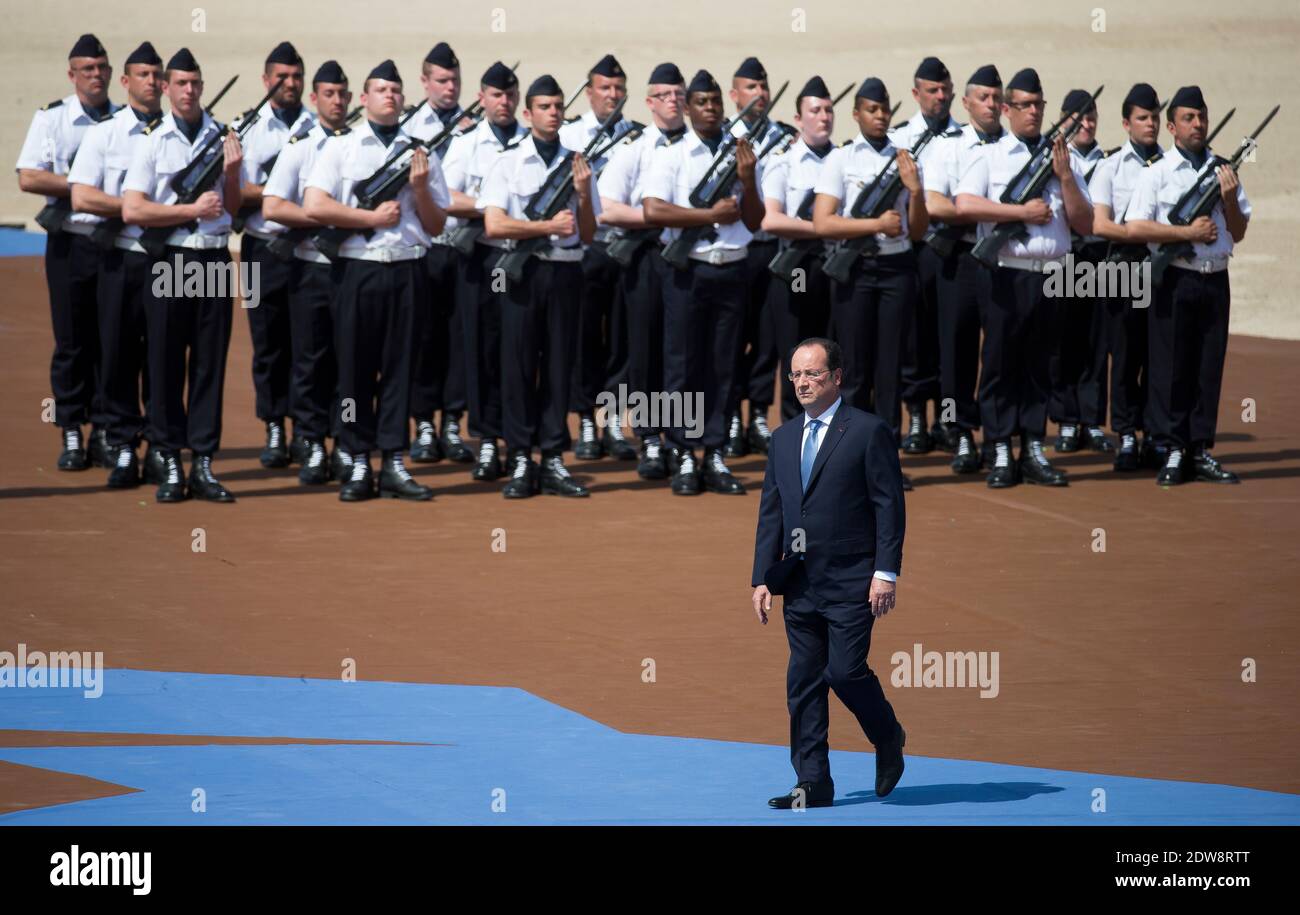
[247, 210]
[893, 111]
[200, 175]
[282, 245]
[1029, 184]
[1201, 199]
[573, 98]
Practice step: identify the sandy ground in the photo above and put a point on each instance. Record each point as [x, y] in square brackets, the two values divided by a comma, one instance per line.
[1242, 55]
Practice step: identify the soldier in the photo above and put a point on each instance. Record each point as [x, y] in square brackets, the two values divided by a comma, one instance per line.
[539, 314]
[621, 187]
[71, 259]
[932, 90]
[283, 116]
[314, 377]
[380, 281]
[96, 184]
[1188, 323]
[188, 335]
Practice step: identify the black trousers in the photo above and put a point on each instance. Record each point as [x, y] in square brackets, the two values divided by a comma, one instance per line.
[188, 338]
[270, 327]
[539, 342]
[757, 356]
[314, 379]
[1079, 370]
[797, 311]
[920, 369]
[643, 300]
[704, 314]
[1187, 343]
[439, 380]
[869, 322]
[376, 325]
[72, 275]
[829, 642]
[1022, 331]
[124, 279]
[480, 305]
[602, 353]
[1127, 334]
[956, 282]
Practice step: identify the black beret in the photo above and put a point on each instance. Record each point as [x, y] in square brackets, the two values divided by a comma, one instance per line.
[441, 55]
[607, 66]
[872, 88]
[329, 72]
[284, 53]
[1187, 97]
[543, 85]
[1026, 81]
[932, 68]
[1077, 99]
[703, 81]
[387, 70]
[499, 76]
[145, 54]
[183, 60]
[87, 46]
[666, 74]
[814, 88]
[1142, 95]
[986, 75]
[750, 68]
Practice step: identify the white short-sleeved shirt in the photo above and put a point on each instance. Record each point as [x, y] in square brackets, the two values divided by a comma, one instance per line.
[577, 134]
[1161, 187]
[905, 136]
[165, 152]
[793, 176]
[425, 125]
[52, 141]
[952, 156]
[624, 176]
[1086, 164]
[518, 174]
[773, 133]
[674, 172]
[1116, 178]
[105, 155]
[340, 165]
[471, 156]
[848, 169]
[989, 174]
[288, 180]
[263, 142]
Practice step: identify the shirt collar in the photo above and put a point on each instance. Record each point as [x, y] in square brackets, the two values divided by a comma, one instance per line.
[170, 124]
[826, 417]
[369, 136]
[860, 142]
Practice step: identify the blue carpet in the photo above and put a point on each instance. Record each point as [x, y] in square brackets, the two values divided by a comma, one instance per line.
[17, 243]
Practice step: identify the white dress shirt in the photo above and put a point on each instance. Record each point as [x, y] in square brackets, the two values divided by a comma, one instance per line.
[288, 181]
[265, 140]
[1163, 185]
[674, 172]
[52, 141]
[1116, 178]
[905, 136]
[519, 173]
[425, 124]
[952, 156]
[164, 152]
[104, 157]
[470, 157]
[848, 169]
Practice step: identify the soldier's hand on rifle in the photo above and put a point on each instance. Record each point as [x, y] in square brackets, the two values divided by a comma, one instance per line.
[746, 161]
[891, 222]
[908, 173]
[419, 180]
[1228, 183]
[1203, 230]
[563, 225]
[1061, 159]
[581, 178]
[208, 206]
[233, 152]
[725, 211]
[1037, 212]
[387, 214]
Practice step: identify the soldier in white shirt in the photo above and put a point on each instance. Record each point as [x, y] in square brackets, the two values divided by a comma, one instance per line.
[313, 400]
[188, 334]
[124, 276]
[869, 313]
[799, 303]
[620, 186]
[1111, 188]
[932, 91]
[946, 261]
[1188, 321]
[1022, 326]
[468, 161]
[704, 303]
[71, 260]
[539, 312]
[381, 283]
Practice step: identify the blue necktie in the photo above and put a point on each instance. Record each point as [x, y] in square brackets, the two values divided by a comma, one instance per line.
[809, 452]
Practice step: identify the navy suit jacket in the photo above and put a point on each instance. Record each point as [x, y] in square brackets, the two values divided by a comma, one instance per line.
[851, 515]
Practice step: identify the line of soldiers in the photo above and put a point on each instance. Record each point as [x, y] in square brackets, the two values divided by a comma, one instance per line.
[440, 261]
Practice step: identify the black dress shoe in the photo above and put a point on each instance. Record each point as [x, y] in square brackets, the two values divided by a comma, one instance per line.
[276, 452]
[523, 477]
[587, 447]
[315, 465]
[616, 444]
[966, 458]
[171, 488]
[652, 465]
[340, 464]
[452, 444]
[802, 795]
[98, 450]
[488, 467]
[1003, 475]
[396, 482]
[1037, 469]
[1096, 440]
[944, 435]
[758, 434]
[424, 447]
[73, 456]
[299, 448]
[737, 446]
[555, 479]
[359, 485]
[203, 485]
[126, 469]
[889, 763]
[717, 478]
[1067, 439]
[917, 440]
[1209, 470]
[1127, 458]
[153, 467]
[1171, 474]
[686, 478]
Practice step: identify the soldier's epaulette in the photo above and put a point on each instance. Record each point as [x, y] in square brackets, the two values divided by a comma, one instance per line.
[954, 131]
[847, 142]
[149, 127]
[341, 131]
[669, 141]
[54, 104]
[576, 117]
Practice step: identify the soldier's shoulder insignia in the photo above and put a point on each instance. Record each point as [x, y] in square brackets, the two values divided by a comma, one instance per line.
[954, 131]
[341, 132]
[669, 141]
[576, 117]
[54, 104]
[152, 125]
[847, 142]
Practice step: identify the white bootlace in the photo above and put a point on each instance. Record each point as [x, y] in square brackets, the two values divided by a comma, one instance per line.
[587, 430]
[964, 446]
[521, 467]
[686, 463]
[760, 423]
[274, 435]
[1175, 459]
[396, 466]
[1069, 430]
[653, 450]
[124, 456]
[451, 432]
[317, 455]
[1036, 452]
[1128, 442]
[72, 439]
[173, 469]
[716, 463]
[734, 431]
[487, 451]
[424, 433]
[555, 465]
[1003, 458]
[359, 469]
[616, 432]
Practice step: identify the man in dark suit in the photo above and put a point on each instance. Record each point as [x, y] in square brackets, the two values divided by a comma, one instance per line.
[830, 538]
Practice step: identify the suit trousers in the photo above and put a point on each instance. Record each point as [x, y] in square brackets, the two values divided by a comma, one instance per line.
[315, 373]
[270, 327]
[439, 382]
[480, 307]
[124, 279]
[1187, 343]
[72, 275]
